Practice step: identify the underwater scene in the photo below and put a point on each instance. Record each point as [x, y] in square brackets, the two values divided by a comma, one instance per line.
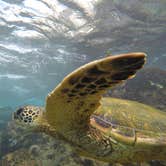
[94, 117]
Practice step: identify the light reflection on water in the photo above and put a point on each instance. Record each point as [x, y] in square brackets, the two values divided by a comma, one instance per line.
[42, 41]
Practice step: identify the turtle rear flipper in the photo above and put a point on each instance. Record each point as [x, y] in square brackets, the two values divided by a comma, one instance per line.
[70, 104]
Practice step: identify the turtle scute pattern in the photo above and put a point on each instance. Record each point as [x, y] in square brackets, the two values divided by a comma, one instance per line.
[79, 94]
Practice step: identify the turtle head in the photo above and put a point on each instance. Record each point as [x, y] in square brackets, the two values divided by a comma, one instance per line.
[28, 116]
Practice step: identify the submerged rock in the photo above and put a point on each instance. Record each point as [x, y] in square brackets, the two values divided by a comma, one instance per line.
[38, 149]
[148, 87]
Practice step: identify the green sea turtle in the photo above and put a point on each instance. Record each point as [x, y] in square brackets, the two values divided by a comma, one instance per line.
[102, 128]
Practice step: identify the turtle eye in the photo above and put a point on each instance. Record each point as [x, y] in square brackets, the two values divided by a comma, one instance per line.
[19, 114]
[19, 111]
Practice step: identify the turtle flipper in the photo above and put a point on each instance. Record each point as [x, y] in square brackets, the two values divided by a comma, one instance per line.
[70, 104]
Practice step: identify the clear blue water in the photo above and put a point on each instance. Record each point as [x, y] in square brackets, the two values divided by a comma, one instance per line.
[41, 41]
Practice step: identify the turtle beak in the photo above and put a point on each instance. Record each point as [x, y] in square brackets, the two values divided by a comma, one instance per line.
[14, 116]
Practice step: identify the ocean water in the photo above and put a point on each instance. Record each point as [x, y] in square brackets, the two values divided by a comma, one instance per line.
[41, 41]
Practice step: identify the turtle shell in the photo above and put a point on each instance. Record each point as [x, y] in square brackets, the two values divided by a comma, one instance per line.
[130, 115]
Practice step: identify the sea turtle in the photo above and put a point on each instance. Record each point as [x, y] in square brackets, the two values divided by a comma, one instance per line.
[102, 128]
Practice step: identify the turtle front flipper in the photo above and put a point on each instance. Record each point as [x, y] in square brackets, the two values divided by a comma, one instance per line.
[70, 104]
